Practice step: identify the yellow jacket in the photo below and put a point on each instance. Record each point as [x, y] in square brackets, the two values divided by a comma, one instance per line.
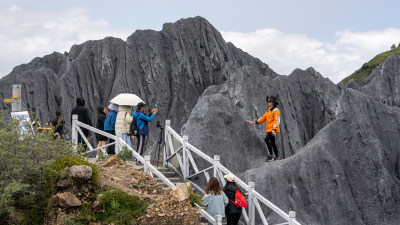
[272, 119]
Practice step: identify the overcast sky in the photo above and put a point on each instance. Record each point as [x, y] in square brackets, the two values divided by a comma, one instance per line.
[334, 36]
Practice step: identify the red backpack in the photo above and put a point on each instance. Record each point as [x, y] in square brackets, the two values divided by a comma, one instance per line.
[240, 200]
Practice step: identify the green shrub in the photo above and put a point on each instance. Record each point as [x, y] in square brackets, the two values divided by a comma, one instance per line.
[87, 215]
[68, 161]
[121, 208]
[69, 221]
[101, 157]
[125, 154]
[195, 197]
[24, 160]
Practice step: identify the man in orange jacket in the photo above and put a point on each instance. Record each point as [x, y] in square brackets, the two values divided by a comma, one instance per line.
[272, 119]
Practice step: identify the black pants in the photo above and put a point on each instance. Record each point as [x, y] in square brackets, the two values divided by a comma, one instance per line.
[270, 141]
[141, 144]
[111, 149]
[233, 219]
[80, 138]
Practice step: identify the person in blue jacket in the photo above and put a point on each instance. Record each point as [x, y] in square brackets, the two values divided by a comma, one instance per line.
[109, 126]
[142, 121]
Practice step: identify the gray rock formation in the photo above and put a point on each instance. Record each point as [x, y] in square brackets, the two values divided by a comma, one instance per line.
[171, 68]
[347, 174]
[81, 172]
[345, 169]
[340, 142]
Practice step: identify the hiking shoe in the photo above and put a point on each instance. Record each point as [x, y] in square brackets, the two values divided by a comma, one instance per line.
[276, 158]
[269, 159]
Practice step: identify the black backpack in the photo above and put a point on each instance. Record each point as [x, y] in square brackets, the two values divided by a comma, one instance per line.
[133, 128]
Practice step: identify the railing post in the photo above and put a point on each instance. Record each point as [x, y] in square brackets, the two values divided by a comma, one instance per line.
[167, 125]
[185, 168]
[218, 219]
[292, 217]
[216, 163]
[251, 205]
[118, 143]
[146, 163]
[74, 132]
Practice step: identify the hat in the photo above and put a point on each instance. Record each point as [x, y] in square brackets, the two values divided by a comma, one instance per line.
[230, 177]
[271, 97]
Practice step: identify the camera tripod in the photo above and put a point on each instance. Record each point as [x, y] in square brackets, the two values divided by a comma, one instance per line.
[160, 143]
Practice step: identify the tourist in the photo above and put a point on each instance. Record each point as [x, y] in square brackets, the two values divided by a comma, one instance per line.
[109, 126]
[123, 122]
[272, 119]
[232, 212]
[102, 140]
[83, 116]
[142, 123]
[215, 199]
[57, 124]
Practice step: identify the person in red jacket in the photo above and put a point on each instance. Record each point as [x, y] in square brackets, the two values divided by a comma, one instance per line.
[272, 121]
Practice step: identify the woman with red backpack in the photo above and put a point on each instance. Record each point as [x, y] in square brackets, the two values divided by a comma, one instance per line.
[232, 212]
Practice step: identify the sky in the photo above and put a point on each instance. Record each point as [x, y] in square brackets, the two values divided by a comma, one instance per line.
[335, 37]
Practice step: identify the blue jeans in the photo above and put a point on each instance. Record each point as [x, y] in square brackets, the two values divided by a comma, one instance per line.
[127, 139]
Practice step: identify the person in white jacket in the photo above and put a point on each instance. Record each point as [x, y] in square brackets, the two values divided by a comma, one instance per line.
[123, 122]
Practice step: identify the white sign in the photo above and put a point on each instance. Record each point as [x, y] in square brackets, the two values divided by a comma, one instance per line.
[23, 118]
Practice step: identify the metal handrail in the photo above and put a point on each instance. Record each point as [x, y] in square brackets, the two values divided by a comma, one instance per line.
[219, 170]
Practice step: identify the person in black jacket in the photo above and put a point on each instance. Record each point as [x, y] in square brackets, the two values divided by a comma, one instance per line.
[232, 212]
[100, 125]
[83, 116]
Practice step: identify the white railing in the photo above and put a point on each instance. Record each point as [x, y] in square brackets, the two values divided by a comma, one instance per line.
[178, 156]
[119, 143]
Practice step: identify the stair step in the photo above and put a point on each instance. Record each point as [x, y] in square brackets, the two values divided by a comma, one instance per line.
[169, 174]
[172, 179]
[163, 169]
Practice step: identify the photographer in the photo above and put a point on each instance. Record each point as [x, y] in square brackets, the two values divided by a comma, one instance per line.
[142, 120]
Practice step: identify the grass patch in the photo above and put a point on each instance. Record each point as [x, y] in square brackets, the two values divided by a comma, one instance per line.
[121, 208]
[125, 154]
[366, 69]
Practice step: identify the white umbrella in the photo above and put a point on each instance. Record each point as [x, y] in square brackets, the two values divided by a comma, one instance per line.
[126, 99]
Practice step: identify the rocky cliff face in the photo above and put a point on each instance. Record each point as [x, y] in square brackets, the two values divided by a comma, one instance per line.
[171, 67]
[340, 142]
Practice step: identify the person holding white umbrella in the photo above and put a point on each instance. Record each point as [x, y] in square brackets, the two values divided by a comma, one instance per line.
[123, 122]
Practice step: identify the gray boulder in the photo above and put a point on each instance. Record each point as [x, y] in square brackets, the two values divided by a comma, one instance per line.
[81, 172]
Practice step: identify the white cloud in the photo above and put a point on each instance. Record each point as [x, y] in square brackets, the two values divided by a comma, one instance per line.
[25, 35]
[14, 8]
[336, 60]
